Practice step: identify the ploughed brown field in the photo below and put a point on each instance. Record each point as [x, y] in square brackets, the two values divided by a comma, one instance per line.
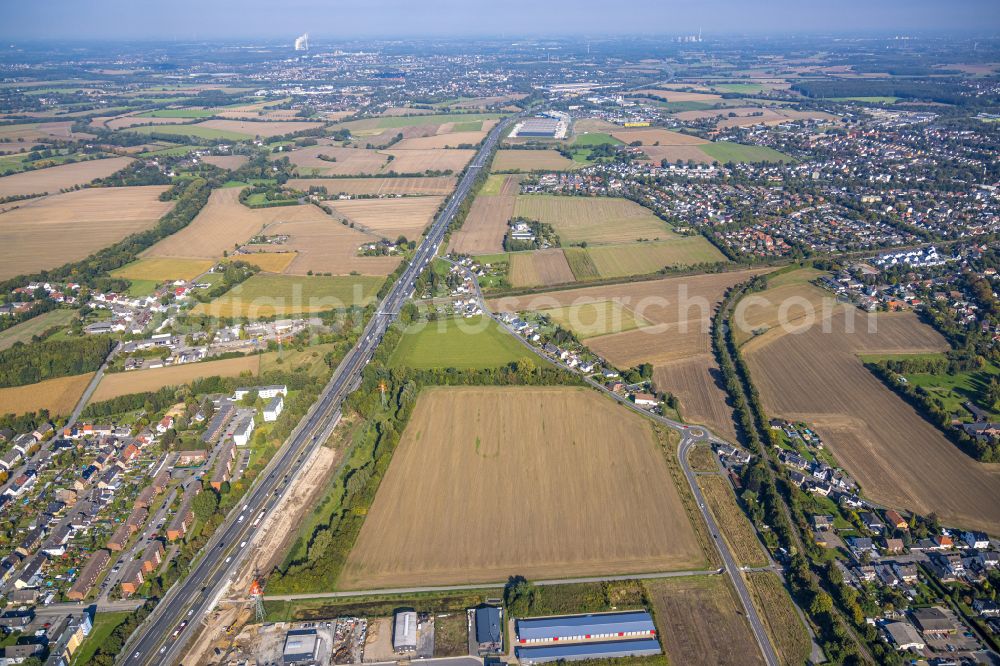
[663, 137]
[678, 152]
[322, 244]
[231, 162]
[673, 336]
[700, 621]
[489, 482]
[56, 178]
[48, 232]
[899, 458]
[542, 268]
[434, 185]
[486, 224]
[407, 216]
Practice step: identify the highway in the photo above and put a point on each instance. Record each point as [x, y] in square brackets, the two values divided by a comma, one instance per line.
[162, 637]
[690, 435]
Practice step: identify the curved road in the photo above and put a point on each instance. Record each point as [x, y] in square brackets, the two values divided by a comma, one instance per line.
[162, 637]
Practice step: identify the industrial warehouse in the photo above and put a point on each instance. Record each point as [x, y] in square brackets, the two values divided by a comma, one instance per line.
[592, 636]
[554, 127]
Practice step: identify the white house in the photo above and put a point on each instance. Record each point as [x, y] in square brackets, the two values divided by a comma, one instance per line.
[243, 431]
[274, 408]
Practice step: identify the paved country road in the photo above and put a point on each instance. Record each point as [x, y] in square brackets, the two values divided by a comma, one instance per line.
[690, 436]
[162, 637]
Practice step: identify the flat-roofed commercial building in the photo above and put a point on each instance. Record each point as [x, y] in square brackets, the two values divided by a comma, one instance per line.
[642, 647]
[596, 626]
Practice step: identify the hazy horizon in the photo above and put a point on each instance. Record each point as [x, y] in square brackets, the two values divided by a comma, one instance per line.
[122, 20]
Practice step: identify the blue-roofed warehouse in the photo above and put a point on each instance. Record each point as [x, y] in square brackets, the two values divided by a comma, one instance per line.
[631, 624]
[641, 647]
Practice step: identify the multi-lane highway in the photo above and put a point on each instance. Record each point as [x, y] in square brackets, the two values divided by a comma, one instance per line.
[162, 638]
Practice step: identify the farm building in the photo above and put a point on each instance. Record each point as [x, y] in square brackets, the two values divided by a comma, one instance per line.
[640, 647]
[631, 624]
[489, 630]
[404, 632]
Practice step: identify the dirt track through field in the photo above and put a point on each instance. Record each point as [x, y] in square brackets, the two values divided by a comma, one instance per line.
[540, 482]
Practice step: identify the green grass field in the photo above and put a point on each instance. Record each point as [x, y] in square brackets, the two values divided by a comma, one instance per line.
[473, 343]
[268, 295]
[190, 130]
[493, 185]
[472, 126]
[178, 113]
[24, 331]
[595, 139]
[104, 624]
[953, 390]
[725, 151]
[742, 88]
[677, 107]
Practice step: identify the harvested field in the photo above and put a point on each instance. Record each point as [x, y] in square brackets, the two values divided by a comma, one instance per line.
[231, 162]
[735, 527]
[163, 269]
[558, 458]
[581, 264]
[419, 161]
[588, 320]
[542, 268]
[407, 216]
[678, 96]
[51, 231]
[36, 131]
[532, 160]
[322, 244]
[697, 383]
[486, 224]
[694, 153]
[679, 310]
[59, 396]
[661, 137]
[899, 458]
[784, 626]
[644, 258]
[439, 185]
[452, 140]
[747, 116]
[26, 330]
[269, 262]
[263, 129]
[223, 222]
[60, 177]
[348, 161]
[700, 621]
[281, 295]
[788, 304]
[140, 381]
[592, 219]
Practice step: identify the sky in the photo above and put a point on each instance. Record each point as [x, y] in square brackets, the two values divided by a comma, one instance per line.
[339, 19]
